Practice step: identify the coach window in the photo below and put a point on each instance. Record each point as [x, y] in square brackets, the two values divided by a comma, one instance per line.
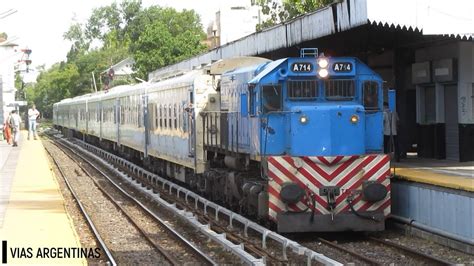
[175, 116]
[169, 117]
[161, 116]
[165, 119]
[271, 98]
[370, 91]
[155, 106]
[139, 115]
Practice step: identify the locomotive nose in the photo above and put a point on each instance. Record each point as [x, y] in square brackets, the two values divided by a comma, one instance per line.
[327, 131]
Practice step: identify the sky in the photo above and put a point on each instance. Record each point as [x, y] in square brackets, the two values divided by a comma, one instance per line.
[40, 24]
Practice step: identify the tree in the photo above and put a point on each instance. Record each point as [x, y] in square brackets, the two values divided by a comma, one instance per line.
[287, 10]
[154, 37]
[163, 36]
[53, 85]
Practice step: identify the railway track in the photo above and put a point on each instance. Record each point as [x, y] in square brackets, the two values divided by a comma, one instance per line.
[367, 254]
[207, 216]
[173, 254]
[110, 258]
[431, 260]
[222, 225]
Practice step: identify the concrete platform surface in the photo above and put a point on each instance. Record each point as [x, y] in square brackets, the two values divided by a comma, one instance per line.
[442, 173]
[32, 211]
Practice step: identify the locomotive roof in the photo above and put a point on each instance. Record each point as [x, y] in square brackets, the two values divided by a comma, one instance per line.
[267, 70]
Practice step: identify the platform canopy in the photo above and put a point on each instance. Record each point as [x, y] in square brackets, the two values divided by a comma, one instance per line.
[451, 18]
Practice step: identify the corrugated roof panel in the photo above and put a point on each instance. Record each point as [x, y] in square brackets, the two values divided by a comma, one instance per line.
[294, 32]
[343, 20]
[402, 14]
[272, 39]
[358, 12]
[318, 24]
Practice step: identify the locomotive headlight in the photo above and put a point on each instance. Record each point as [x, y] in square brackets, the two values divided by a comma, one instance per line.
[354, 119]
[323, 62]
[304, 120]
[323, 73]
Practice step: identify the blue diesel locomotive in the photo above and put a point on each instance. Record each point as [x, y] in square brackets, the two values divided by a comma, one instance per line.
[295, 141]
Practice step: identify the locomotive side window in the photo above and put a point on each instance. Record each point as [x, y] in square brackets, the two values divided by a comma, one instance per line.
[371, 95]
[339, 89]
[252, 100]
[271, 98]
[302, 89]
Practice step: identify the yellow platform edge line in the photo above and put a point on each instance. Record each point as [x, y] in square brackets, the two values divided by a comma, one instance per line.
[448, 181]
[20, 185]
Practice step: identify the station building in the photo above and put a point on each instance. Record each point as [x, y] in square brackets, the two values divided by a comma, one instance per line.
[433, 74]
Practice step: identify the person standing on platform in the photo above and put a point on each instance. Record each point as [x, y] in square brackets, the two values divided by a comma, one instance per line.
[7, 129]
[15, 121]
[390, 139]
[32, 115]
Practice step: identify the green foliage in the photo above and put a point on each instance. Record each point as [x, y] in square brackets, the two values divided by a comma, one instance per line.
[53, 85]
[168, 37]
[154, 37]
[288, 9]
[163, 36]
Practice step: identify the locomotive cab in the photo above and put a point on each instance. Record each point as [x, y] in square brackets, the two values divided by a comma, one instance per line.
[339, 105]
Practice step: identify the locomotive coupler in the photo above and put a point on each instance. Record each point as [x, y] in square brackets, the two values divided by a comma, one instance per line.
[330, 192]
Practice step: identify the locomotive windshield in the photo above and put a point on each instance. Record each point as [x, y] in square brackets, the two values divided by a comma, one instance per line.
[339, 89]
[302, 89]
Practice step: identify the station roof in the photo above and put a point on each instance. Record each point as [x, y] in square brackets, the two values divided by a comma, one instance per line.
[407, 15]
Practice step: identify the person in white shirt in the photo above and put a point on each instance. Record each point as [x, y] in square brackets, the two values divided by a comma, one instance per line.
[32, 115]
[390, 138]
[15, 121]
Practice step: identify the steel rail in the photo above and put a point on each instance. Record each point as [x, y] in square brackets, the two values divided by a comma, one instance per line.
[172, 259]
[413, 252]
[233, 217]
[91, 225]
[352, 253]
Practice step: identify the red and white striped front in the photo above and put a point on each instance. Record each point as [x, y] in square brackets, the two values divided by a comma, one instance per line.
[312, 173]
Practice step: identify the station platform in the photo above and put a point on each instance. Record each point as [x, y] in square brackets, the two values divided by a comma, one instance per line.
[33, 216]
[443, 173]
[438, 196]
